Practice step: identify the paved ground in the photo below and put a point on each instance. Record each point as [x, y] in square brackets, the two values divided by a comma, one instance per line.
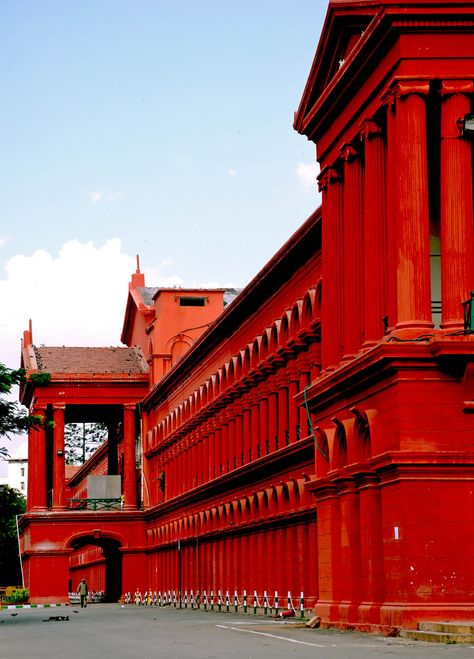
[112, 631]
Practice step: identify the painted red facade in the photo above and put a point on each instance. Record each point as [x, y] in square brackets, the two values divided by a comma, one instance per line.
[316, 434]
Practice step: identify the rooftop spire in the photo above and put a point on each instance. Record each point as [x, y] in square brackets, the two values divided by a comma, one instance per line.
[138, 279]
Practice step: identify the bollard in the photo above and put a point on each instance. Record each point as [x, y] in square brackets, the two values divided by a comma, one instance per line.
[227, 601]
[265, 602]
[236, 602]
[212, 600]
[255, 602]
[276, 602]
[219, 600]
[174, 598]
[301, 605]
[205, 601]
[245, 601]
[185, 599]
[288, 601]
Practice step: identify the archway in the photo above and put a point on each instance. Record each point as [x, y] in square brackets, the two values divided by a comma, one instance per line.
[98, 559]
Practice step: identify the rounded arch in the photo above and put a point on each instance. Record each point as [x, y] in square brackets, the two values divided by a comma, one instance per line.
[230, 372]
[362, 434]
[265, 344]
[308, 307]
[246, 360]
[322, 452]
[274, 342]
[284, 329]
[295, 318]
[239, 365]
[339, 455]
[255, 352]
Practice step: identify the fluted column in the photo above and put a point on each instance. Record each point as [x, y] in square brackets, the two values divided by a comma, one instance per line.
[129, 462]
[330, 184]
[59, 479]
[282, 412]
[375, 237]
[293, 411]
[412, 213]
[457, 231]
[352, 246]
[36, 494]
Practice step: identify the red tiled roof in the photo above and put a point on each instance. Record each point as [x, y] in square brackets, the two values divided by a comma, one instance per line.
[90, 360]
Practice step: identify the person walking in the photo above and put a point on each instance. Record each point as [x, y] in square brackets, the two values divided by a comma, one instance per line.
[82, 590]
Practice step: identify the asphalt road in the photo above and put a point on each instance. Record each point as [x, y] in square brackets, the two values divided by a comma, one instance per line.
[110, 630]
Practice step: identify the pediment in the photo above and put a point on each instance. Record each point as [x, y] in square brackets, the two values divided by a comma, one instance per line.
[343, 29]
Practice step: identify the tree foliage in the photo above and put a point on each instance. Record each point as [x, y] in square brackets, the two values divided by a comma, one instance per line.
[12, 503]
[82, 439]
[14, 420]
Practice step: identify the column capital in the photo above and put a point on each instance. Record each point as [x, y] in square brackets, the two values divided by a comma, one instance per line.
[59, 407]
[369, 129]
[39, 410]
[404, 88]
[130, 407]
[349, 153]
[452, 87]
[327, 176]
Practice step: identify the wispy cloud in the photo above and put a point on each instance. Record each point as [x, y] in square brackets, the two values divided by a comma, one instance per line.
[232, 172]
[103, 197]
[307, 174]
[3, 241]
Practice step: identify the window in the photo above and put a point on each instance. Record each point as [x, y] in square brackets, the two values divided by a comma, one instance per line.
[22, 485]
[192, 301]
[22, 471]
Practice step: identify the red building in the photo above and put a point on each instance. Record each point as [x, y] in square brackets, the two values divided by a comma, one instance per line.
[316, 434]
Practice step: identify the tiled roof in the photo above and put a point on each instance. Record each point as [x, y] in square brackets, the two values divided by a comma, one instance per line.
[90, 360]
[147, 293]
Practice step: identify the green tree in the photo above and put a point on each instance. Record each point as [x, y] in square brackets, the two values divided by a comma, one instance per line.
[14, 420]
[12, 503]
[82, 439]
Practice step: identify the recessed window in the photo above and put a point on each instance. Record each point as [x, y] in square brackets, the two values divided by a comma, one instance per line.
[192, 301]
[22, 471]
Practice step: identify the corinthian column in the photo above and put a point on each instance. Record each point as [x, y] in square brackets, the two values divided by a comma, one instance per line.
[457, 232]
[351, 292]
[412, 213]
[129, 461]
[59, 480]
[36, 493]
[375, 238]
[332, 264]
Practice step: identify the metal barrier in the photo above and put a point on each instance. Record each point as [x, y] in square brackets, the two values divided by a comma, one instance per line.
[181, 600]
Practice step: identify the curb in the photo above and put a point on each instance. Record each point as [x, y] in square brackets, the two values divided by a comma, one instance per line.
[30, 606]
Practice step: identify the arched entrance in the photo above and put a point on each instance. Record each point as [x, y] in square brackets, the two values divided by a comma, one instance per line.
[98, 559]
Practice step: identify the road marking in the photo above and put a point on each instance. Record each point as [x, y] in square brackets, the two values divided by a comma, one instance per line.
[280, 638]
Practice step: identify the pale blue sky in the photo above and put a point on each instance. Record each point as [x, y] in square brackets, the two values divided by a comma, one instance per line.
[167, 124]
[151, 127]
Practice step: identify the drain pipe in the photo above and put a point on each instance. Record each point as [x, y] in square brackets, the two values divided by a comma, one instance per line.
[19, 551]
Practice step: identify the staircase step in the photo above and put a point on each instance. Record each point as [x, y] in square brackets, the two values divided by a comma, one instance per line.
[436, 637]
[452, 627]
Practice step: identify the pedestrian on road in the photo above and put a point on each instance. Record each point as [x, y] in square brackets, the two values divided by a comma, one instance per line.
[82, 590]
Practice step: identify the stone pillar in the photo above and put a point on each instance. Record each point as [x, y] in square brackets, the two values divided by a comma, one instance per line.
[254, 429]
[293, 412]
[129, 461]
[263, 418]
[375, 238]
[239, 435]
[371, 541]
[457, 232]
[247, 433]
[332, 265]
[282, 412]
[412, 212]
[352, 301]
[36, 494]
[351, 574]
[59, 478]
